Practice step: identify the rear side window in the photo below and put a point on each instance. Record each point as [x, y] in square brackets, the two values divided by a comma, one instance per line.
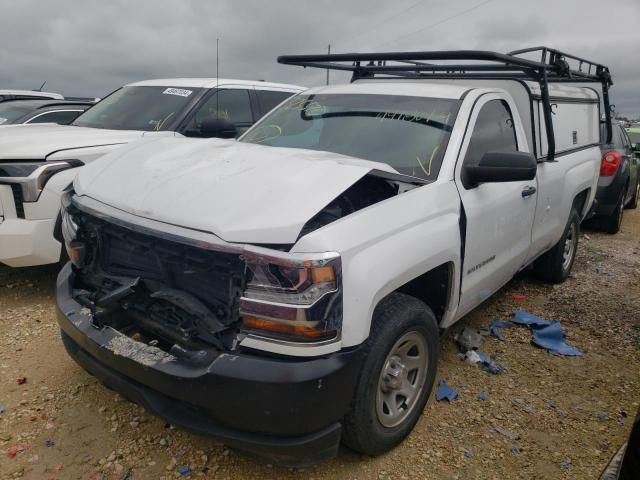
[493, 132]
[270, 99]
[618, 139]
[625, 139]
[62, 117]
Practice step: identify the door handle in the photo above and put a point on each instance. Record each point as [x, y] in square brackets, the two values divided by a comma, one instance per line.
[528, 191]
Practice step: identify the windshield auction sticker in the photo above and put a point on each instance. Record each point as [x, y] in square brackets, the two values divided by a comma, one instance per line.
[177, 91]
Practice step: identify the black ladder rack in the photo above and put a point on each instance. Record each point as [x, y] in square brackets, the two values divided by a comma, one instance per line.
[552, 66]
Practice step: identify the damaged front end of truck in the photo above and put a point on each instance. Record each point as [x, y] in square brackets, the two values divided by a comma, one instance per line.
[172, 320]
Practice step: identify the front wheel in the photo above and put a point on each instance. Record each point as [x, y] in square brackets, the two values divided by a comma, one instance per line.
[555, 265]
[397, 376]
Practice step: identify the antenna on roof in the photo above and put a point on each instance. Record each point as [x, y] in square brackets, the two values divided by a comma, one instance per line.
[217, 78]
[328, 53]
[41, 86]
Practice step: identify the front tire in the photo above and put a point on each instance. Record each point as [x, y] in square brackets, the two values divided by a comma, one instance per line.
[397, 377]
[555, 265]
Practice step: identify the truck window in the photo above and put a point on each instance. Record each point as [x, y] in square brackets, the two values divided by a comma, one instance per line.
[494, 132]
[408, 133]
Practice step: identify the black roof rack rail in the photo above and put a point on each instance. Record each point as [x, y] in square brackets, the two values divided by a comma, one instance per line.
[552, 66]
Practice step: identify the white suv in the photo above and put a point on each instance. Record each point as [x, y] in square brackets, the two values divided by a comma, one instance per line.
[38, 161]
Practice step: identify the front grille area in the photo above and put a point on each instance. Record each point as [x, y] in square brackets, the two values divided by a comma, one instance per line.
[184, 293]
[18, 199]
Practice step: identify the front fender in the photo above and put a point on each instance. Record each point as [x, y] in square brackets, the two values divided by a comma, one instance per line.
[389, 244]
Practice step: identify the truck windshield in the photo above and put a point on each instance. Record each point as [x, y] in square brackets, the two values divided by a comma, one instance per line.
[408, 133]
[148, 108]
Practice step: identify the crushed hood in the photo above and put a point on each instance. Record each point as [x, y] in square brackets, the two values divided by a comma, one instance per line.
[37, 142]
[239, 192]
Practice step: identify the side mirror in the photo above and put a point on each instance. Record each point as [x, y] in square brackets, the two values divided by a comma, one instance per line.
[218, 128]
[500, 167]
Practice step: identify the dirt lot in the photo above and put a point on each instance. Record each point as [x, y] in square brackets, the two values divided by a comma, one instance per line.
[93, 433]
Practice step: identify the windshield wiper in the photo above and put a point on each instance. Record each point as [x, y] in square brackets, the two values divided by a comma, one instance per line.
[382, 116]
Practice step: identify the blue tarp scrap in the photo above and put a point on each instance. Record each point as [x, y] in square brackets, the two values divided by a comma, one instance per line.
[482, 397]
[566, 464]
[185, 471]
[488, 364]
[468, 453]
[562, 414]
[2, 410]
[601, 417]
[515, 450]
[444, 391]
[127, 475]
[546, 334]
[525, 318]
[496, 325]
[551, 338]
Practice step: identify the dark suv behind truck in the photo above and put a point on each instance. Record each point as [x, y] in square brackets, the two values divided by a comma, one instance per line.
[618, 185]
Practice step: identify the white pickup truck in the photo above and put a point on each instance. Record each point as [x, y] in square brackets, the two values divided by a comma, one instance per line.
[38, 161]
[287, 292]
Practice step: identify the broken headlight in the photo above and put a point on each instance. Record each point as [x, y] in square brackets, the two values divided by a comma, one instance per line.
[74, 247]
[292, 297]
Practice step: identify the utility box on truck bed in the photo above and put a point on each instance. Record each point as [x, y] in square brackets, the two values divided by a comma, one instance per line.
[576, 112]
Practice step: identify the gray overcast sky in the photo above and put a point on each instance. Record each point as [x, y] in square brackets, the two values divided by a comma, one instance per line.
[91, 47]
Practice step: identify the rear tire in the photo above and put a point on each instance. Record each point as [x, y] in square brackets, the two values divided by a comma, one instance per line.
[633, 204]
[612, 223]
[555, 265]
[397, 376]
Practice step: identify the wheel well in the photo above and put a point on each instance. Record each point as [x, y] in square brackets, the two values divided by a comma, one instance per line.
[580, 201]
[432, 287]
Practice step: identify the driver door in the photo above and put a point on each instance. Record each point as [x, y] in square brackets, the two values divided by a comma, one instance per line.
[499, 216]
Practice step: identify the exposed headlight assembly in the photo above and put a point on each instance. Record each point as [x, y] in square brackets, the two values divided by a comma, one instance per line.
[75, 248]
[292, 297]
[32, 176]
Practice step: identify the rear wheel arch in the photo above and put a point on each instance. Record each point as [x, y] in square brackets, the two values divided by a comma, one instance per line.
[580, 202]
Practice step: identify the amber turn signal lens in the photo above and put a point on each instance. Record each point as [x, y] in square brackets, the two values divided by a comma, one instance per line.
[287, 329]
[323, 275]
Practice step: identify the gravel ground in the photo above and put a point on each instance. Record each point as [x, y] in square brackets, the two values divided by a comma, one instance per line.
[66, 425]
